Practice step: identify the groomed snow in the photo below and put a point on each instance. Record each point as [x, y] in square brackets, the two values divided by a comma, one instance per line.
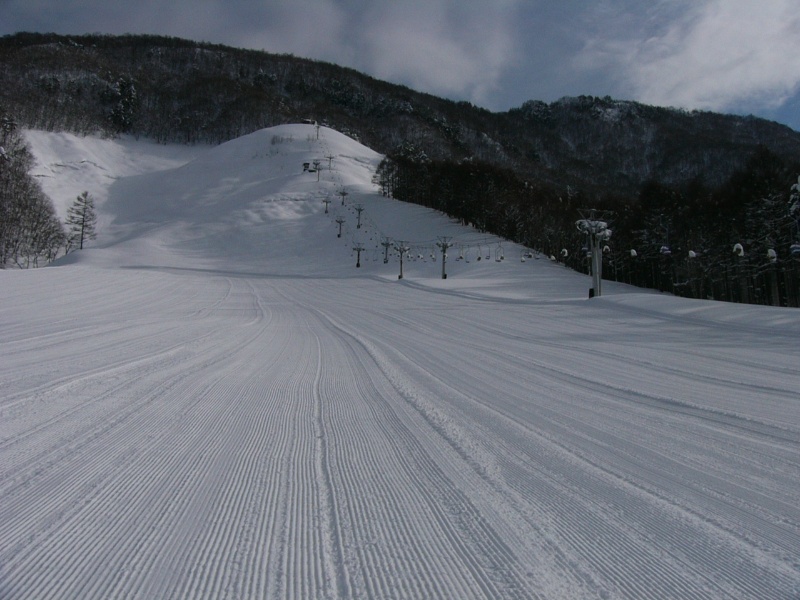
[212, 401]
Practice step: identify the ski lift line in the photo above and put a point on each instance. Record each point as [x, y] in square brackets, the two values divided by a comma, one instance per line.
[465, 245]
[415, 245]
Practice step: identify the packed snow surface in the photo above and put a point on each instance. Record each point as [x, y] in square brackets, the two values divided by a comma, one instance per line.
[213, 401]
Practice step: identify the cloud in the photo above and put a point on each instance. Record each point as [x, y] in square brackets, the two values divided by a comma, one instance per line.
[728, 55]
[448, 47]
[711, 55]
[312, 28]
[454, 48]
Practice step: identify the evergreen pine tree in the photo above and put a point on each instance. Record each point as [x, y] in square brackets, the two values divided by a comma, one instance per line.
[81, 220]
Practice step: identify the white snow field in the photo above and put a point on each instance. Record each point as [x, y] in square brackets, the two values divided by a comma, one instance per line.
[212, 401]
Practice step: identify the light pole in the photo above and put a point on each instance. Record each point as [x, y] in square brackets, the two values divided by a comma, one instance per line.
[340, 221]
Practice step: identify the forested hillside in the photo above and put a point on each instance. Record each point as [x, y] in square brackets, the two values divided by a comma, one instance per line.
[686, 182]
[29, 229]
[177, 90]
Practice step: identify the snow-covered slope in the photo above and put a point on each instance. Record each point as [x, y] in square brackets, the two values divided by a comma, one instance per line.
[250, 205]
[213, 401]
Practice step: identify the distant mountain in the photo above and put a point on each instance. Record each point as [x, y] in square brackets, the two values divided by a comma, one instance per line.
[177, 90]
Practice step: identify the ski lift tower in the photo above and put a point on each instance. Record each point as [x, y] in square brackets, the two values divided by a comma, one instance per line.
[358, 249]
[359, 210]
[597, 229]
[402, 248]
[444, 243]
[386, 243]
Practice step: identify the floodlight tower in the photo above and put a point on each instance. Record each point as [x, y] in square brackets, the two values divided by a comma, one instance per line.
[327, 201]
[598, 232]
[340, 221]
[342, 193]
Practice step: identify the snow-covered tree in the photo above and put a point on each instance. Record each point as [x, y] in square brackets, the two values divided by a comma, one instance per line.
[81, 220]
[794, 200]
[123, 114]
[29, 228]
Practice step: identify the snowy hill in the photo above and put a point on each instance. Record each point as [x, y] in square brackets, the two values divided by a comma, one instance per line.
[249, 205]
[213, 401]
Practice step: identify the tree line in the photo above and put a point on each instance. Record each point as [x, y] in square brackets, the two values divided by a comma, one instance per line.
[31, 233]
[738, 242]
[173, 90]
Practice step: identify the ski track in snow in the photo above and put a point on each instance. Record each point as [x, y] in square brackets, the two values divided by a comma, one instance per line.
[202, 425]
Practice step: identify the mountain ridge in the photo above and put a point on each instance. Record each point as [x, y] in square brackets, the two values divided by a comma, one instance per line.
[171, 89]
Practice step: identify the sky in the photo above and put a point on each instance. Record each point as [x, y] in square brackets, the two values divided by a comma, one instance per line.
[734, 56]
